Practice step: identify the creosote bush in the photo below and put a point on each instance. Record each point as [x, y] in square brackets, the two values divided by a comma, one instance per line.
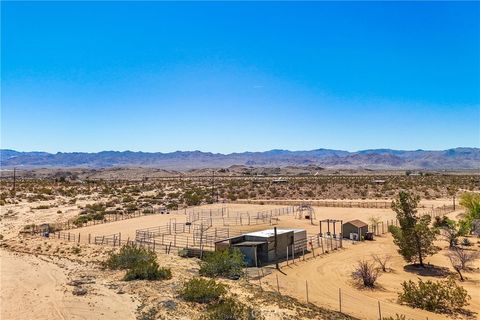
[436, 296]
[148, 270]
[202, 291]
[226, 263]
[231, 309]
[139, 262]
[366, 273]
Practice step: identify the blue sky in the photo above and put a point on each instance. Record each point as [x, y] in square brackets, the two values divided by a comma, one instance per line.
[231, 77]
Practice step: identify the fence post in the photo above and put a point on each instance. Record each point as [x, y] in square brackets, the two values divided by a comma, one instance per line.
[379, 311]
[340, 298]
[78, 238]
[89, 236]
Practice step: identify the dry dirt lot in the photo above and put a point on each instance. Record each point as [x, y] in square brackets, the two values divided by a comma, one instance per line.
[329, 273]
[35, 287]
[53, 299]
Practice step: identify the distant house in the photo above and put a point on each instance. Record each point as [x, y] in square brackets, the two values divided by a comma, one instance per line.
[280, 180]
[354, 229]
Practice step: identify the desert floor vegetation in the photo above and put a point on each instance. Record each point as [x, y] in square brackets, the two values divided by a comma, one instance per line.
[161, 291]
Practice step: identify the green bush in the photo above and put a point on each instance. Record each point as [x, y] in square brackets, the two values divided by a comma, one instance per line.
[139, 262]
[147, 270]
[226, 263]
[439, 296]
[202, 290]
[231, 309]
[129, 256]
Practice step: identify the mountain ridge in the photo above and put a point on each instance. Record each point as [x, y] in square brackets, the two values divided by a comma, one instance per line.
[454, 158]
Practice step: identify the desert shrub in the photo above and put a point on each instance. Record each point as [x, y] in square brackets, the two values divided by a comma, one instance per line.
[139, 262]
[226, 263]
[172, 206]
[147, 270]
[129, 256]
[366, 273]
[202, 290]
[436, 296]
[43, 206]
[397, 317]
[231, 309]
[382, 261]
[466, 242]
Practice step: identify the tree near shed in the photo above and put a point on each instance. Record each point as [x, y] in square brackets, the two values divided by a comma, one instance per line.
[449, 229]
[414, 236]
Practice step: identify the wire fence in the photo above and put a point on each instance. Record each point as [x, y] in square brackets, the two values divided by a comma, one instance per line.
[226, 217]
[343, 300]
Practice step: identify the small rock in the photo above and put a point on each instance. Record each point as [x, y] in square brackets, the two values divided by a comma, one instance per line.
[169, 304]
[79, 291]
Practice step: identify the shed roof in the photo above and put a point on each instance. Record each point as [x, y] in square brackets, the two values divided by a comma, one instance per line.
[357, 223]
[270, 232]
[249, 243]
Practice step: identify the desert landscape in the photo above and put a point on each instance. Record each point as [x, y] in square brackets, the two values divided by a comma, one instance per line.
[239, 160]
[88, 220]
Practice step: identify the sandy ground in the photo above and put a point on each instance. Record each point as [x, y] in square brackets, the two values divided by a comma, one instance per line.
[36, 286]
[128, 227]
[329, 273]
[15, 216]
[33, 287]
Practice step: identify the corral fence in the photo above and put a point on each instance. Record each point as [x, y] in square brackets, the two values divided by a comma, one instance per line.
[107, 218]
[439, 211]
[237, 218]
[323, 203]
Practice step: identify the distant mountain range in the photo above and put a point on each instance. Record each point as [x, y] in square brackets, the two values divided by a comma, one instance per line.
[452, 159]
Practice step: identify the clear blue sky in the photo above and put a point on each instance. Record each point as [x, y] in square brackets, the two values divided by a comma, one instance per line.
[226, 77]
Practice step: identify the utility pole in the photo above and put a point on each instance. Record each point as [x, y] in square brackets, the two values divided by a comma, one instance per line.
[454, 202]
[213, 186]
[14, 182]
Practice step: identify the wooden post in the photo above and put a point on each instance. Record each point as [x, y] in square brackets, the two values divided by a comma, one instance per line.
[340, 299]
[78, 240]
[379, 311]
[89, 236]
